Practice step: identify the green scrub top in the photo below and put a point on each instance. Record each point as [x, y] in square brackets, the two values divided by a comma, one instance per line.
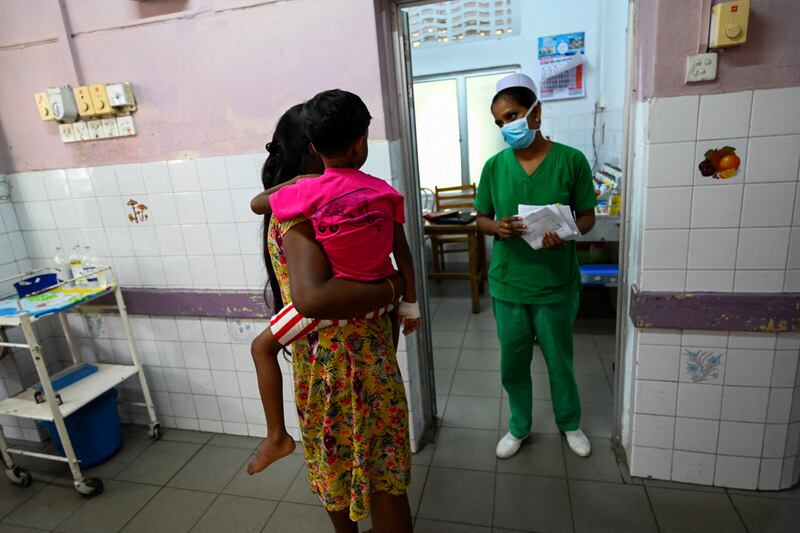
[518, 273]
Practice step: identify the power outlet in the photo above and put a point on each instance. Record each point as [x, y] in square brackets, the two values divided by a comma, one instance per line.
[701, 67]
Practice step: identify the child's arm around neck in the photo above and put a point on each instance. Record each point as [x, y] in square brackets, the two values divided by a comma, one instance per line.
[260, 203]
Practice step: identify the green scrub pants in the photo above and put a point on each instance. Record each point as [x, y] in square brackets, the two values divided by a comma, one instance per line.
[551, 324]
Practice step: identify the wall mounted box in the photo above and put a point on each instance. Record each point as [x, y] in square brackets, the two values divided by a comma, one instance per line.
[120, 95]
[43, 105]
[82, 131]
[62, 103]
[729, 22]
[68, 134]
[84, 99]
[100, 99]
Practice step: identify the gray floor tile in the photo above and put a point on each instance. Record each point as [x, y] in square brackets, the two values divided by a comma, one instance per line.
[605, 343]
[686, 511]
[445, 357]
[423, 456]
[270, 484]
[543, 421]
[588, 363]
[662, 484]
[583, 343]
[235, 441]
[767, 515]
[600, 466]
[447, 339]
[449, 319]
[443, 379]
[596, 419]
[454, 495]
[211, 469]
[12, 496]
[476, 383]
[788, 494]
[172, 510]
[47, 508]
[132, 447]
[298, 518]
[594, 388]
[479, 340]
[477, 359]
[472, 412]
[159, 462]
[236, 515]
[8, 528]
[300, 490]
[183, 435]
[109, 512]
[441, 405]
[419, 475]
[435, 526]
[608, 359]
[540, 455]
[466, 448]
[541, 387]
[605, 507]
[527, 502]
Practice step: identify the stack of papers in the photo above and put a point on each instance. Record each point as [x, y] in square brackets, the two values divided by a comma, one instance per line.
[541, 219]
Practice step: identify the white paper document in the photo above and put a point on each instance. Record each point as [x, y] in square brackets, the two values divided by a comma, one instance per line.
[541, 219]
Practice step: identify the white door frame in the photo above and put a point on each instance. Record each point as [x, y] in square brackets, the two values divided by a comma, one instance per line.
[404, 86]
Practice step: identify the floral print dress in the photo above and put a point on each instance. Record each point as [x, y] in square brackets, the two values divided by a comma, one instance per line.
[351, 404]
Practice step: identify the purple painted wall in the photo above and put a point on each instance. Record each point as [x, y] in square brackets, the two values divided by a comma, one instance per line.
[671, 29]
[211, 76]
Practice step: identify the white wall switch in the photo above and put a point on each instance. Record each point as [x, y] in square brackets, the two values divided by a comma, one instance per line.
[110, 127]
[82, 131]
[126, 126]
[67, 133]
[701, 67]
[95, 129]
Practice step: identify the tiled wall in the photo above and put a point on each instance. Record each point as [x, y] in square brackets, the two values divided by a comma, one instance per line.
[199, 233]
[720, 408]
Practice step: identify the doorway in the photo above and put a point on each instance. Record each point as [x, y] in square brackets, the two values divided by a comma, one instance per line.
[447, 90]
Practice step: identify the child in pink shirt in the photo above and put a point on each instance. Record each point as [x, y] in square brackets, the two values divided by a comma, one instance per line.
[358, 219]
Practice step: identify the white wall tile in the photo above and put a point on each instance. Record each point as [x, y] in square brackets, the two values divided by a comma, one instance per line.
[194, 354]
[200, 381]
[780, 405]
[241, 205]
[660, 336]
[775, 440]
[152, 271]
[665, 249]
[224, 239]
[672, 119]
[253, 411]
[218, 207]
[156, 177]
[163, 209]
[656, 397]
[189, 328]
[183, 175]
[794, 248]
[254, 271]
[230, 271]
[79, 181]
[713, 248]
[144, 240]
[225, 383]
[204, 271]
[724, 115]
[668, 208]
[757, 341]
[774, 158]
[695, 435]
[740, 438]
[791, 281]
[55, 184]
[663, 280]
[114, 212]
[739, 145]
[769, 477]
[785, 368]
[220, 356]
[251, 242]
[190, 208]
[130, 179]
[651, 462]
[657, 362]
[242, 172]
[768, 204]
[762, 248]
[170, 240]
[177, 380]
[183, 405]
[88, 213]
[248, 384]
[171, 354]
[206, 407]
[745, 404]
[749, 367]
[796, 218]
[104, 181]
[691, 467]
[653, 431]
[788, 341]
[737, 472]
[211, 426]
[670, 164]
[65, 214]
[215, 330]
[717, 207]
[177, 270]
[709, 280]
[776, 112]
[212, 173]
[242, 359]
[197, 239]
[758, 281]
[120, 242]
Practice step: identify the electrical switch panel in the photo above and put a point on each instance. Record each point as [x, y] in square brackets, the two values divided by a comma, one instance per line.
[729, 22]
[62, 103]
[43, 104]
[100, 99]
[84, 99]
[120, 95]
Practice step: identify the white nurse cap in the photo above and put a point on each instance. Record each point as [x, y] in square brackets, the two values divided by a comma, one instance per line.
[516, 80]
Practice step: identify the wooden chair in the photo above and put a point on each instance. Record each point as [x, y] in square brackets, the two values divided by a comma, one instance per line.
[458, 197]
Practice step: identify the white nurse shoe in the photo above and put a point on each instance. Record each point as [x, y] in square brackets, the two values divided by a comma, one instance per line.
[509, 445]
[578, 443]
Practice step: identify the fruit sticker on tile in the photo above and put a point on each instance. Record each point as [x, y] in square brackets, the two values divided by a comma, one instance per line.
[720, 163]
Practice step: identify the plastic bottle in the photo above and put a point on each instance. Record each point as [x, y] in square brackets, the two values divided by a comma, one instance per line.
[76, 265]
[60, 266]
[90, 266]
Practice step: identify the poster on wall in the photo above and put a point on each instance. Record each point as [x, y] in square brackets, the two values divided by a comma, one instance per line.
[561, 59]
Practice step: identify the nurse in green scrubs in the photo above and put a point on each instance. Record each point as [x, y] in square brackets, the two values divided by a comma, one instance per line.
[535, 292]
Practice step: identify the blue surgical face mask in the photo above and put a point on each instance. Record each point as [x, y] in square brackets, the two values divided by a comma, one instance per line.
[518, 134]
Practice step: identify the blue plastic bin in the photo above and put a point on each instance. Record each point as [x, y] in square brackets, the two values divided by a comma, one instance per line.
[94, 430]
[35, 283]
[606, 275]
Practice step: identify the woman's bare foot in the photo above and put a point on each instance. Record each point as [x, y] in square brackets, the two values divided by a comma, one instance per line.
[270, 451]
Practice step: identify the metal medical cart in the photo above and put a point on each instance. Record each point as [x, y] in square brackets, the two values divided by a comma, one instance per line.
[56, 406]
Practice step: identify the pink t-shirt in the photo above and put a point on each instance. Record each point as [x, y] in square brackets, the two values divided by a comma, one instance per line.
[353, 215]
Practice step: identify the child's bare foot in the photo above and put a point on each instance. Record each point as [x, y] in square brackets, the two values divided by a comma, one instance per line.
[270, 451]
